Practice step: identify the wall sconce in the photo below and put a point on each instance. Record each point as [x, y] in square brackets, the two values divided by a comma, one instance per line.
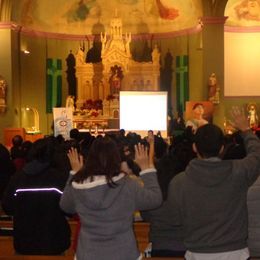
[36, 127]
[26, 52]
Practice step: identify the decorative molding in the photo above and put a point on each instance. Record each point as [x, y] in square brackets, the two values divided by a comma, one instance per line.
[242, 29]
[75, 37]
[9, 25]
[214, 19]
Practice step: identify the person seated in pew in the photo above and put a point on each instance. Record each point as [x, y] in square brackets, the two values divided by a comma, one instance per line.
[32, 198]
[7, 169]
[105, 198]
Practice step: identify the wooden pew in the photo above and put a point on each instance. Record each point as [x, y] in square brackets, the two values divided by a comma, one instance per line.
[141, 230]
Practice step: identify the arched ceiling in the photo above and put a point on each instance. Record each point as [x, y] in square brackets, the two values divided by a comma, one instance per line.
[82, 17]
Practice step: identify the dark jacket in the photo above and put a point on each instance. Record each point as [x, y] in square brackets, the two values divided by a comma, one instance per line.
[32, 197]
[209, 200]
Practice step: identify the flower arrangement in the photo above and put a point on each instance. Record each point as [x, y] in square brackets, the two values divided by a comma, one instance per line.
[110, 97]
[92, 108]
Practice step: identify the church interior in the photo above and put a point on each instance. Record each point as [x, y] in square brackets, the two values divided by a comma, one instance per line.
[89, 51]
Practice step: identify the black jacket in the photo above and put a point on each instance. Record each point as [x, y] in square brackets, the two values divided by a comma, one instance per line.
[32, 198]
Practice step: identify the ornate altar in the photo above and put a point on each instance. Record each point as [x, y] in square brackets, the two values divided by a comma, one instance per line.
[117, 71]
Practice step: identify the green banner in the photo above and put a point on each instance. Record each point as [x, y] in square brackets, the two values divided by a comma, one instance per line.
[182, 81]
[53, 84]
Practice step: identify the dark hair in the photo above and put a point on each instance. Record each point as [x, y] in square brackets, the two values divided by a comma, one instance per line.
[42, 150]
[4, 154]
[17, 140]
[75, 134]
[209, 139]
[103, 159]
[160, 147]
[196, 105]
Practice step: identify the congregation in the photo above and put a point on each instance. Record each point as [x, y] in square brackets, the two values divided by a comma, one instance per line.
[195, 193]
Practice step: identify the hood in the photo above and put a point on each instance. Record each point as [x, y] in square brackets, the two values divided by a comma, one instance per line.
[35, 167]
[209, 172]
[97, 194]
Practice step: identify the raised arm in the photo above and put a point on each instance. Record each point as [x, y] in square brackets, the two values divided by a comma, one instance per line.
[149, 196]
[250, 165]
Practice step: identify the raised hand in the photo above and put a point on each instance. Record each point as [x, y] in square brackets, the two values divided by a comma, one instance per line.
[239, 120]
[142, 157]
[76, 160]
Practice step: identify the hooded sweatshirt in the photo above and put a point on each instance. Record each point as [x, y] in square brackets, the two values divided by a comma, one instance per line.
[106, 214]
[209, 200]
[253, 204]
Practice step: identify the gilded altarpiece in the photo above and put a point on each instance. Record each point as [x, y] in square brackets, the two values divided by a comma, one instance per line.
[116, 72]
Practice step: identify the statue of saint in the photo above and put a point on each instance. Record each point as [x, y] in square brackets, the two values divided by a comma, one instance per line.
[115, 81]
[156, 55]
[3, 87]
[80, 56]
[213, 89]
[252, 115]
[70, 102]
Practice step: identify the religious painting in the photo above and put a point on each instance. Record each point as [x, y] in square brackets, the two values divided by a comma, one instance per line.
[78, 16]
[243, 12]
[198, 113]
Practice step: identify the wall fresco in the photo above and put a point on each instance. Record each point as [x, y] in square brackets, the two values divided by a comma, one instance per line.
[80, 16]
[243, 13]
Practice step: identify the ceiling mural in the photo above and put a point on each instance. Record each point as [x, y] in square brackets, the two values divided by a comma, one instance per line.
[85, 16]
[243, 13]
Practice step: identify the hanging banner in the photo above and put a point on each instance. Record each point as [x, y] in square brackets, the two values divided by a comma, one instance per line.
[63, 121]
[53, 84]
[182, 81]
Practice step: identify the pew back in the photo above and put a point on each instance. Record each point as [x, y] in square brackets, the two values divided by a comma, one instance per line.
[141, 230]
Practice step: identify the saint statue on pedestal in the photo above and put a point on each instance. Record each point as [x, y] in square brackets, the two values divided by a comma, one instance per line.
[115, 80]
[252, 115]
[70, 102]
[213, 89]
[3, 88]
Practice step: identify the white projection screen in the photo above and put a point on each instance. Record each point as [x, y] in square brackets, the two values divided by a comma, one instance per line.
[141, 111]
[242, 63]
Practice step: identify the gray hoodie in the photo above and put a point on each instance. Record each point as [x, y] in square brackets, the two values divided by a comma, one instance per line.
[106, 214]
[209, 200]
[253, 204]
